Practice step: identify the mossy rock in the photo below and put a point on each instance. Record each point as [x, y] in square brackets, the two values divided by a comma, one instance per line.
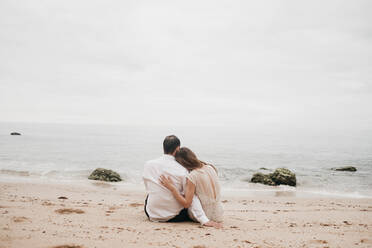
[283, 176]
[278, 177]
[262, 178]
[345, 168]
[105, 175]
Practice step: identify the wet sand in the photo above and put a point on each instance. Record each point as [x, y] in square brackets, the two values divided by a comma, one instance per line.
[94, 214]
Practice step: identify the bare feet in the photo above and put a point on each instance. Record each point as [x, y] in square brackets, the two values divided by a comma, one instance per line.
[213, 224]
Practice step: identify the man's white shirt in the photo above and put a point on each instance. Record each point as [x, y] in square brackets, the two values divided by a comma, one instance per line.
[161, 204]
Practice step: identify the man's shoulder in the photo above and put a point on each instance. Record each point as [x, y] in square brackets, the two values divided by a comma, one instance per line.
[151, 168]
[175, 166]
[166, 164]
[154, 161]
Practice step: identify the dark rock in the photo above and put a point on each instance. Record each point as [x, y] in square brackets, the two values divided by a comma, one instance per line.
[345, 168]
[278, 177]
[262, 178]
[105, 175]
[283, 176]
[15, 133]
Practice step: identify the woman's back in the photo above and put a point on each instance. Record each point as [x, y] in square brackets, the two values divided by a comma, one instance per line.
[207, 188]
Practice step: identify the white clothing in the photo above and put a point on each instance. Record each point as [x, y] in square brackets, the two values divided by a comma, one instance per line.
[207, 188]
[161, 204]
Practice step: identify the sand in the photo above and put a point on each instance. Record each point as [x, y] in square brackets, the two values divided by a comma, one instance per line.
[94, 214]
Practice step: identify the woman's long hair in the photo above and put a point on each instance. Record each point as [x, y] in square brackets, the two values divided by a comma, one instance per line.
[188, 159]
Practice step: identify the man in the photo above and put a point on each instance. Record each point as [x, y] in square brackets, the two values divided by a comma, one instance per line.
[160, 205]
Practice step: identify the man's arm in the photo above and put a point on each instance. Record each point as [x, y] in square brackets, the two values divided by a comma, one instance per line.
[186, 200]
[190, 201]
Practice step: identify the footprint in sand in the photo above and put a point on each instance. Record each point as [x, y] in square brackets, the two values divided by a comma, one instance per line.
[46, 203]
[69, 211]
[136, 204]
[68, 246]
[325, 224]
[366, 241]
[319, 241]
[20, 219]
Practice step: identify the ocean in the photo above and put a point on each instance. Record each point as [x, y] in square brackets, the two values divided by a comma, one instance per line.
[70, 152]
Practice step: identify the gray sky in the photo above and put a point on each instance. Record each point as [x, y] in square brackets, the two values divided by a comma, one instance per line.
[225, 63]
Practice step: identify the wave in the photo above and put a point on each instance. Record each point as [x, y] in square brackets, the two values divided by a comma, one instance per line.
[59, 174]
[232, 179]
[15, 173]
[337, 194]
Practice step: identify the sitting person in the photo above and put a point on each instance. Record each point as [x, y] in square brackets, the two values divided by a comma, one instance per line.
[202, 181]
[160, 205]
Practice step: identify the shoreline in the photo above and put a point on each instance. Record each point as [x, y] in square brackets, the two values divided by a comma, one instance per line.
[105, 215]
[253, 190]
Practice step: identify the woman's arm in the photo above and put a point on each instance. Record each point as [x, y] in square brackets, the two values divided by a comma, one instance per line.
[186, 200]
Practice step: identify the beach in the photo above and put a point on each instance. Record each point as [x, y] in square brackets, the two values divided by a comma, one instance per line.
[275, 95]
[36, 213]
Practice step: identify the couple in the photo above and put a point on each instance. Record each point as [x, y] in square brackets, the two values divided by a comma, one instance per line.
[180, 187]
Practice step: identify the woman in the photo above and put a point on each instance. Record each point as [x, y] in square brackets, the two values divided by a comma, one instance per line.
[202, 181]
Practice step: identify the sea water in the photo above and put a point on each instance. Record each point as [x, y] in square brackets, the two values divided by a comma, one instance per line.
[71, 152]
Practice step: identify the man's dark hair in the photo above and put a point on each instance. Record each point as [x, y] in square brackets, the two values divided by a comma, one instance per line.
[170, 144]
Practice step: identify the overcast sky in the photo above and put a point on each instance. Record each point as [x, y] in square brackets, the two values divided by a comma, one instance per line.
[226, 63]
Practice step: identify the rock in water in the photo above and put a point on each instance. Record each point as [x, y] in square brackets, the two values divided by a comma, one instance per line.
[279, 176]
[262, 178]
[105, 175]
[345, 168]
[283, 176]
[15, 133]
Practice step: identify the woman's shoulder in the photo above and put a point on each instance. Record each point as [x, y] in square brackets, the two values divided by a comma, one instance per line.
[212, 167]
[207, 168]
[196, 172]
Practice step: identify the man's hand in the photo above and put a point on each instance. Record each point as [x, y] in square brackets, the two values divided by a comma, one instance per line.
[167, 182]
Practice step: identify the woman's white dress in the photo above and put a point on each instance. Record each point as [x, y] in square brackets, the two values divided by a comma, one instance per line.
[207, 188]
